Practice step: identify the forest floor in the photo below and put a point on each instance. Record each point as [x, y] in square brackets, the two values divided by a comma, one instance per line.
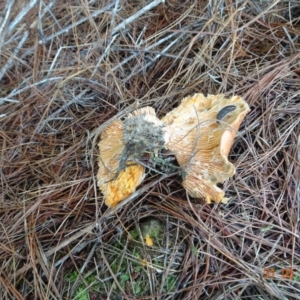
[67, 69]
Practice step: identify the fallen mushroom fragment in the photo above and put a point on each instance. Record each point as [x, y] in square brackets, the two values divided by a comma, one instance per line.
[122, 145]
[148, 241]
[199, 132]
[111, 148]
[201, 136]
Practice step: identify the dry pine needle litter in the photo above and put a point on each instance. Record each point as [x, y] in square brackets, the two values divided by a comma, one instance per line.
[199, 132]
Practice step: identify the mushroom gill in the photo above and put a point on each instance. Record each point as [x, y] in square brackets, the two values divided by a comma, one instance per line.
[121, 147]
[202, 130]
[116, 184]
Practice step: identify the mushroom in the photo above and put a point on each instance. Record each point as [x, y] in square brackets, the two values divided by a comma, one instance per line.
[148, 241]
[202, 130]
[121, 147]
[199, 132]
[114, 183]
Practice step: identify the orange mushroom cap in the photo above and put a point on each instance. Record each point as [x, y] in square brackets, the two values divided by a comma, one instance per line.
[199, 132]
[201, 142]
[111, 147]
[119, 173]
[148, 241]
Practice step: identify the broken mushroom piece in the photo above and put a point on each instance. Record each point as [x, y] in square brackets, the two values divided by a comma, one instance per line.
[202, 130]
[199, 132]
[121, 147]
[114, 183]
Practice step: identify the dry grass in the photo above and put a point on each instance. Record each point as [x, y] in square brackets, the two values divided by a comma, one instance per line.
[67, 68]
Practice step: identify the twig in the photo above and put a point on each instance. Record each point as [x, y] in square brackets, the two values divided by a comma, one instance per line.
[257, 17]
[2, 100]
[57, 55]
[3, 22]
[13, 37]
[59, 111]
[123, 25]
[10, 62]
[113, 275]
[114, 13]
[292, 45]
[154, 59]
[9, 286]
[164, 39]
[66, 29]
[21, 15]
[18, 90]
[107, 48]
[75, 284]
[136, 15]
[12, 59]
[136, 54]
[75, 250]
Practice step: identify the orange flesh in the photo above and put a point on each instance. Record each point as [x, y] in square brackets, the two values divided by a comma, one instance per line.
[125, 184]
[148, 241]
[201, 143]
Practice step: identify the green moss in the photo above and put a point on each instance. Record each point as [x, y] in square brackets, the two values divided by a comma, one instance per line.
[125, 257]
[194, 250]
[297, 276]
[169, 284]
[81, 292]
